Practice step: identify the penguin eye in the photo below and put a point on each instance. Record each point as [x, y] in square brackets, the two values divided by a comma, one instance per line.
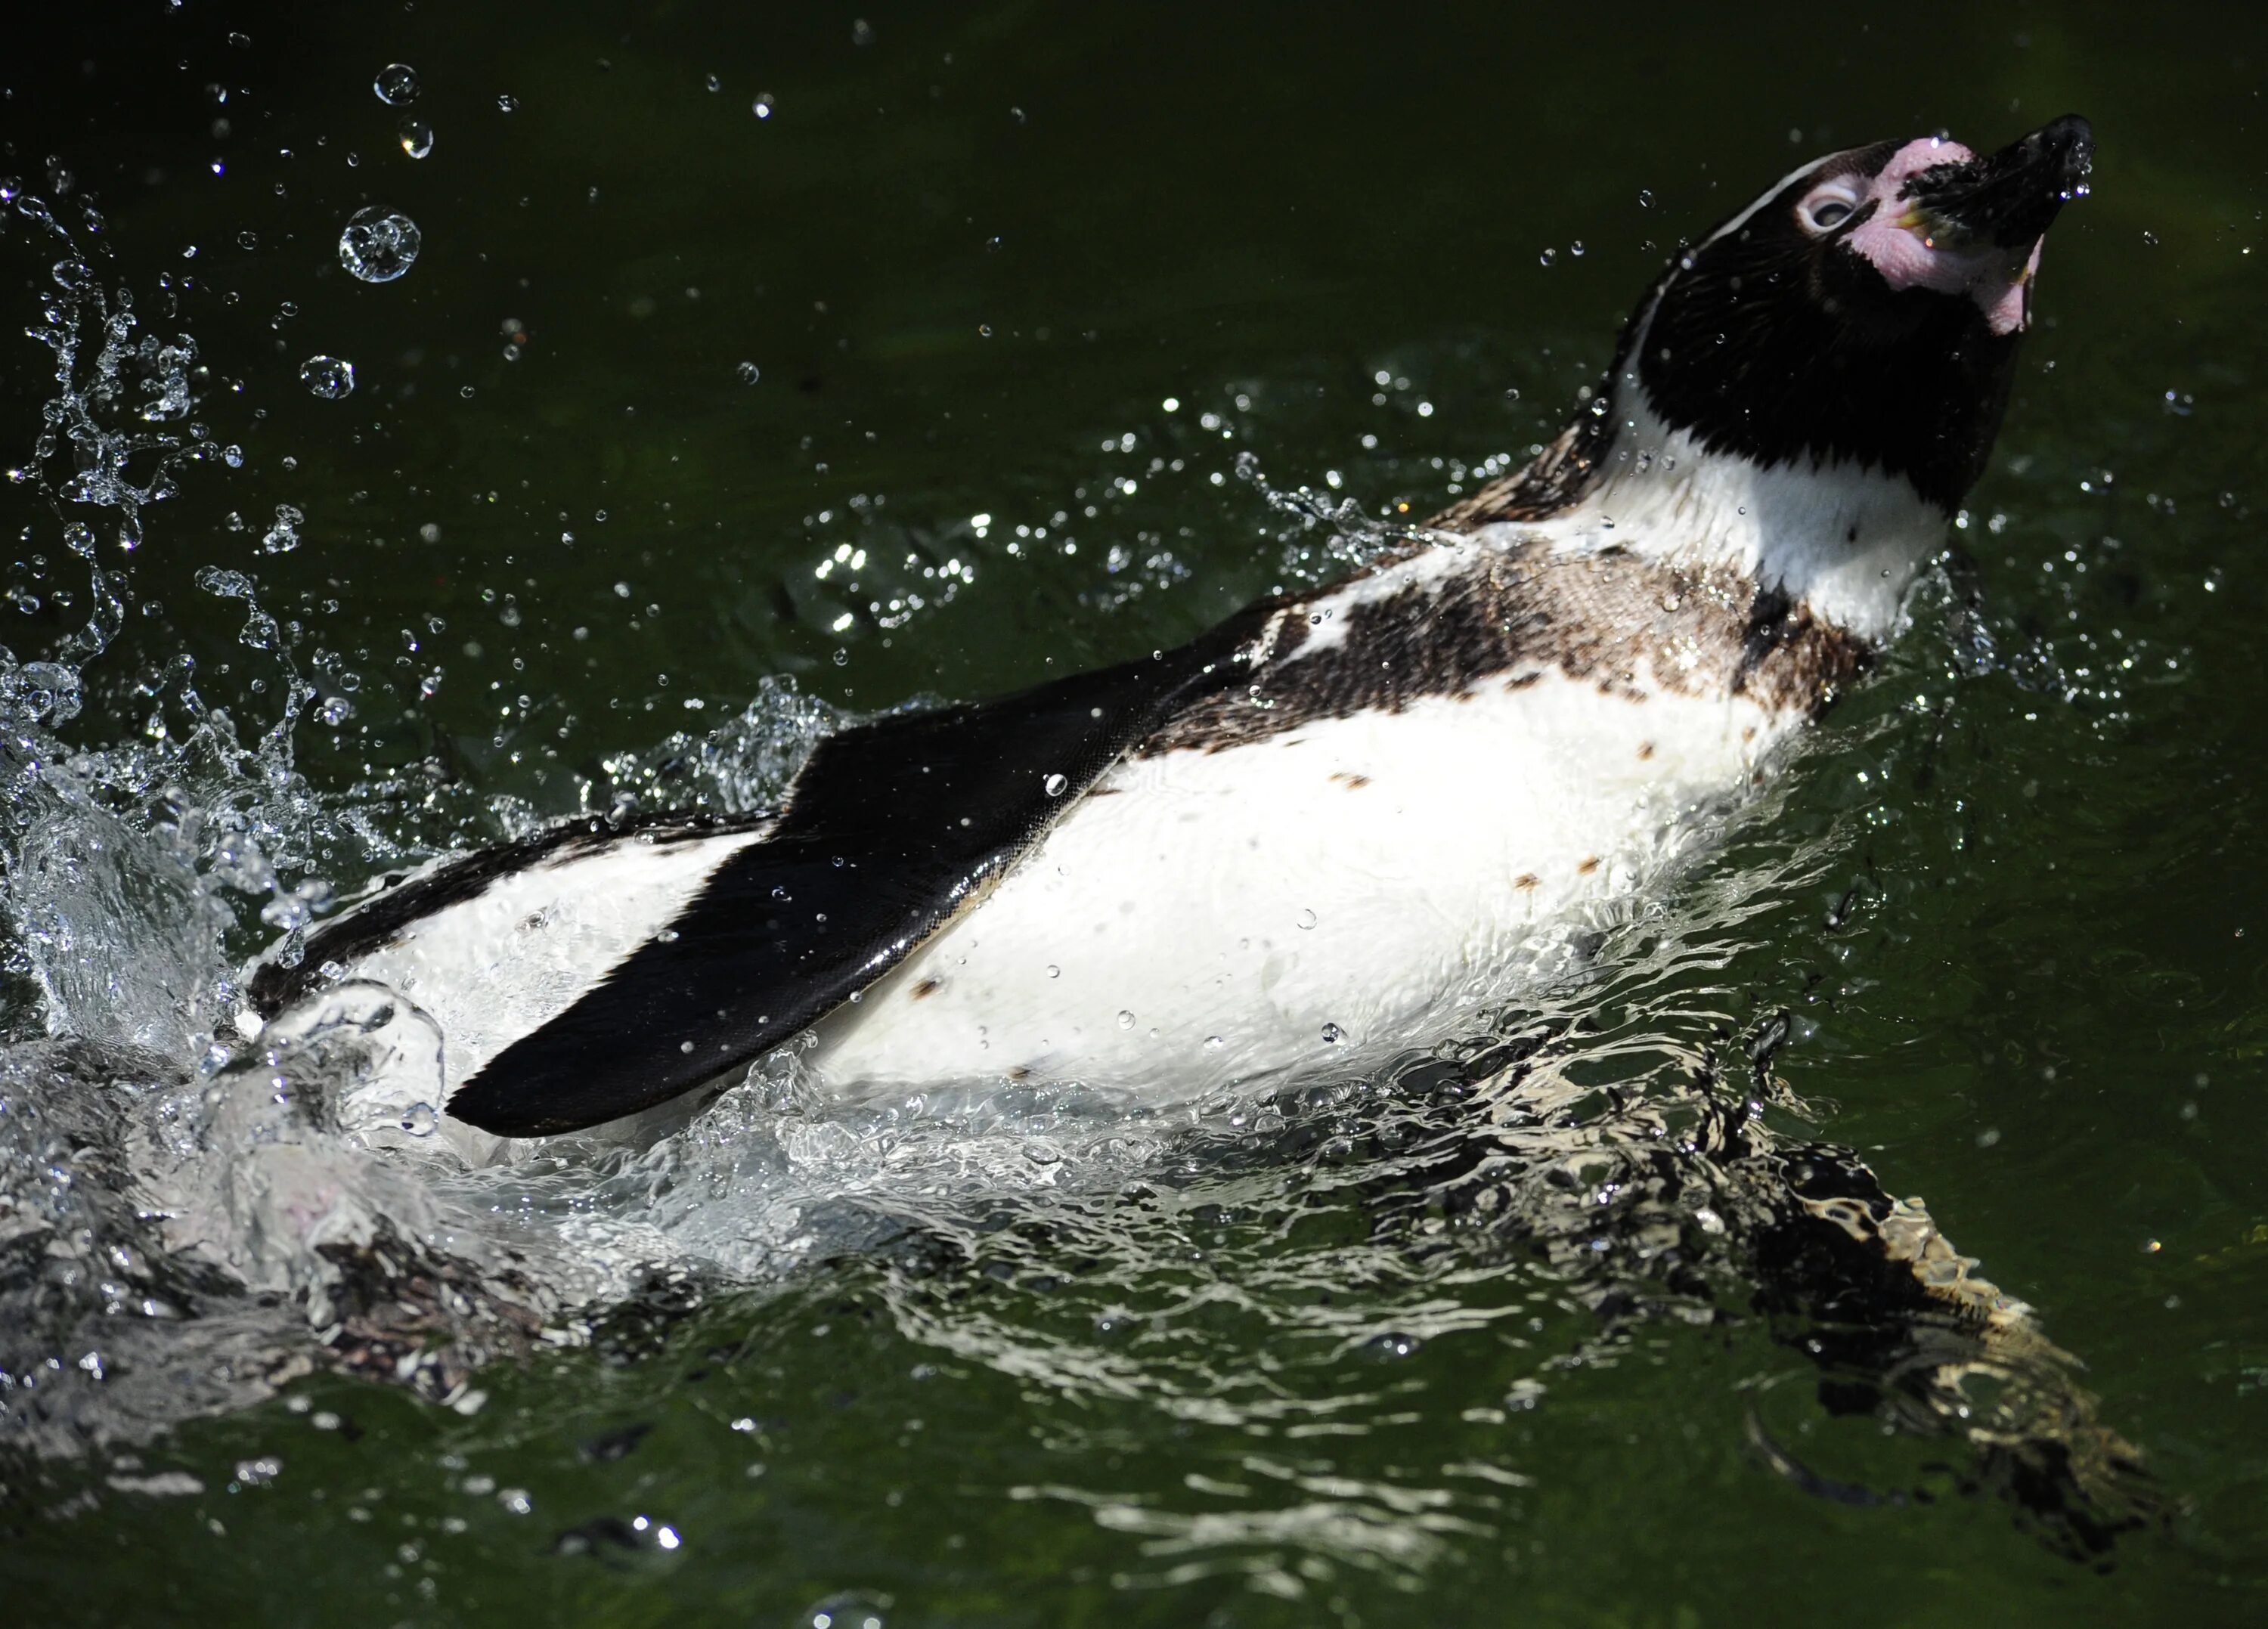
[1827, 208]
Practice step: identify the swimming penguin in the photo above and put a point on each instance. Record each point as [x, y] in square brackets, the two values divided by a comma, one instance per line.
[1307, 833]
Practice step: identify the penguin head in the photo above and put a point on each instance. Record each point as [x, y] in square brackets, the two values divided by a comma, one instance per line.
[1865, 311]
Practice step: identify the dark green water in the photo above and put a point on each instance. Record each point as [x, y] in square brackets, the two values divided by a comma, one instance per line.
[972, 260]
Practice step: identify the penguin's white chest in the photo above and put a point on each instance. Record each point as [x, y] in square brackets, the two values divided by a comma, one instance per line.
[1345, 888]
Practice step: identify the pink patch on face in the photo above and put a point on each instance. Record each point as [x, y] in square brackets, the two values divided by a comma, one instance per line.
[1995, 278]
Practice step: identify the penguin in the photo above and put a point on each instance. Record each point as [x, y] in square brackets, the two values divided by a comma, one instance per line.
[1310, 835]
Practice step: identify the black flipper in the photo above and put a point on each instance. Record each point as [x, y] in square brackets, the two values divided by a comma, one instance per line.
[889, 830]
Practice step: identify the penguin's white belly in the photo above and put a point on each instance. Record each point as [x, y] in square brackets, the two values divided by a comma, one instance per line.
[492, 968]
[1336, 891]
[1203, 917]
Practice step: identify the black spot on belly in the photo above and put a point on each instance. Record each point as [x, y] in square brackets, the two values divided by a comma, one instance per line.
[927, 987]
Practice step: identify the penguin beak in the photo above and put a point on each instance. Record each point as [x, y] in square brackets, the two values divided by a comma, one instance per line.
[2005, 200]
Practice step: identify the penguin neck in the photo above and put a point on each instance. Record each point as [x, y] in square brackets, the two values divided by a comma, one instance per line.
[1842, 539]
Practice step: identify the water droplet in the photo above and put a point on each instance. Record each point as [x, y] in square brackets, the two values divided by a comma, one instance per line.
[378, 243]
[1333, 1035]
[1054, 971]
[764, 105]
[1055, 784]
[2150, 239]
[396, 84]
[1125, 1019]
[1213, 1044]
[283, 537]
[335, 711]
[1306, 918]
[749, 373]
[1576, 248]
[419, 1120]
[853, 1608]
[507, 103]
[715, 84]
[862, 31]
[1548, 257]
[328, 377]
[1645, 197]
[417, 137]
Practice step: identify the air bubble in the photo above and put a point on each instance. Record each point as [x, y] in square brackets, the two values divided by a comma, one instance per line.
[378, 243]
[328, 377]
[396, 84]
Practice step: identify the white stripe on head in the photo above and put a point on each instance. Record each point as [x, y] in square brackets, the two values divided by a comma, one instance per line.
[1769, 194]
